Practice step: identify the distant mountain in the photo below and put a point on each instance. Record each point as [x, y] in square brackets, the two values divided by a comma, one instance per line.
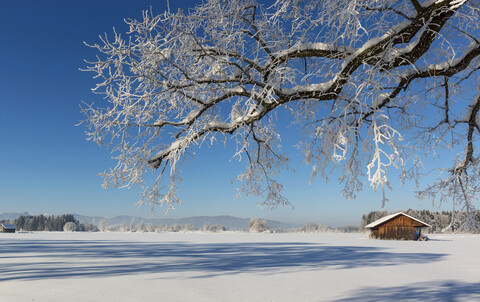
[13, 215]
[229, 222]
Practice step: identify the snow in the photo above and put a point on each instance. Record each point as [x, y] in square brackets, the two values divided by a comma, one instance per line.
[218, 124]
[449, 63]
[8, 226]
[380, 99]
[174, 146]
[320, 87]
[376, 40]
[191, 116]
[453, 4]
[388, 217]
[456, 4]
[236, 267]
[315, 46]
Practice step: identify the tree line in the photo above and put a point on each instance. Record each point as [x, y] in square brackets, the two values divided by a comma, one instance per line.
[142, 227]
[256, 225]
[440, 222]
[50, 223]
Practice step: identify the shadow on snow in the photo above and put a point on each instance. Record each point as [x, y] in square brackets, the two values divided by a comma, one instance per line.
[40, 259]
[447, 291]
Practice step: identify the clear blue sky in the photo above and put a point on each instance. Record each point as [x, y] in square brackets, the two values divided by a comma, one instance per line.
[47, 166]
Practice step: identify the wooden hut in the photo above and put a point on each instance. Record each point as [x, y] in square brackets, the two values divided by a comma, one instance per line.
[397, 226]
[7, 228]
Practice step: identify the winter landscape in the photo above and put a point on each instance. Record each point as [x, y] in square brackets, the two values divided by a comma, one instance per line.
[356, 122]
[235, 266]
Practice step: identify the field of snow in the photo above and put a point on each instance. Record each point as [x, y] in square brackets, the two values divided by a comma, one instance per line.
[236, 267]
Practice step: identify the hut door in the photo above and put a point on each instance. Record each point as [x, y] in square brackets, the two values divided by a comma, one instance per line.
[418, 233]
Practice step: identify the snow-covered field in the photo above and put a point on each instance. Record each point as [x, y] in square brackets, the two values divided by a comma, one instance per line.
[236, 267]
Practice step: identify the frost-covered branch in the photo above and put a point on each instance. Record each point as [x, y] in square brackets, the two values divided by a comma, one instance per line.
[370, 85]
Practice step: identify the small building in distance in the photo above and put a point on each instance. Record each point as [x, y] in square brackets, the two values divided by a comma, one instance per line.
[7, 228]
[397, 226]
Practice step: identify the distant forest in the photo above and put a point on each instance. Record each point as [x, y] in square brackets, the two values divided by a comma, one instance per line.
[49, 223]
[441, 222]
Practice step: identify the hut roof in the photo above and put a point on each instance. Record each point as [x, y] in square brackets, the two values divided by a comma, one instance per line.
[392, 216]
[8, 226]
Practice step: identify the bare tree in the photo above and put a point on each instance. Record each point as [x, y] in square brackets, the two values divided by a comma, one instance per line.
[369, 84]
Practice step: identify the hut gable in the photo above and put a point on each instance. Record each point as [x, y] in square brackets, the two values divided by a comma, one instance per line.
[7, 228]
[397, 226]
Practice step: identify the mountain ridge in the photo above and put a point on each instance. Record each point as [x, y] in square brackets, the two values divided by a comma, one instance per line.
[229, 222]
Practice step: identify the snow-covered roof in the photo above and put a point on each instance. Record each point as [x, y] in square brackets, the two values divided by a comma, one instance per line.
[8, 226]
[388, 217]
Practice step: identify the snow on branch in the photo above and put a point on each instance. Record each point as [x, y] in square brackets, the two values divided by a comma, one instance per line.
[353, 74]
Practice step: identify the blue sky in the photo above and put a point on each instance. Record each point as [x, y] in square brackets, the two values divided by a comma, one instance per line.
[47, 166]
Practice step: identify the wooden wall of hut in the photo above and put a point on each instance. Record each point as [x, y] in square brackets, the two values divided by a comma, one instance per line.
[400, 227]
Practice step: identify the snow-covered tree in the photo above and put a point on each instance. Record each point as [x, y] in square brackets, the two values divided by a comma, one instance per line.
[369, 84]
[103, 225]
[132, 225]
[315, 228]
[257, 225]
[207, 227]
[69, 227]
[151, 228]
[141, 227]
